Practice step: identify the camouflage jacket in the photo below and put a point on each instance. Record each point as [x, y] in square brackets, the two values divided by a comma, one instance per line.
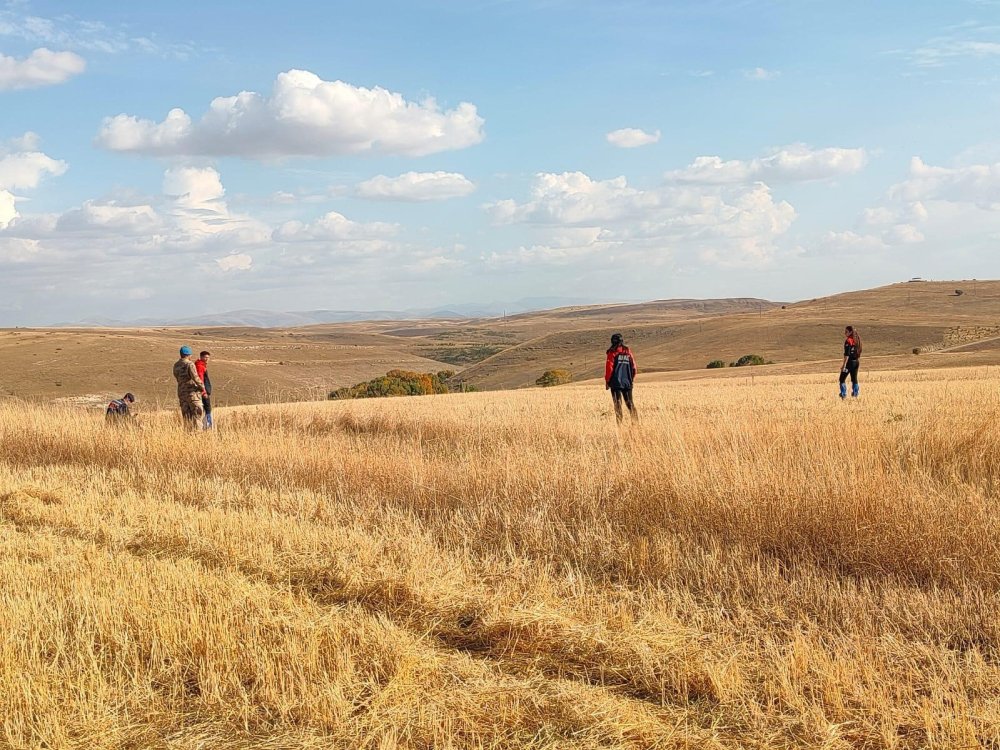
[188, 381]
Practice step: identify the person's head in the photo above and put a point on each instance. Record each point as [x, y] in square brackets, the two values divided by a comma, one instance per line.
[128, 398]
[186, 351]
[617, 340]
[205, 356]
[849, 331]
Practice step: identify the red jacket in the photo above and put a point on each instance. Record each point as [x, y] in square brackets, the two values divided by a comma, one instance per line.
[619, 369]
[202, 369]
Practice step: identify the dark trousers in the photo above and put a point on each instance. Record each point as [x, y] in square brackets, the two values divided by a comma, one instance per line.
[623, 394]
[852, 370]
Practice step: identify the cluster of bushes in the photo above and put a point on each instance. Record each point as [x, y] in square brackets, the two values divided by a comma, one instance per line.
[554, 377]
[398, 383]
[747, 360]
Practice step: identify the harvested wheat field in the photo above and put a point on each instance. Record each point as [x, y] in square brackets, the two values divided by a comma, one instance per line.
[756, 565]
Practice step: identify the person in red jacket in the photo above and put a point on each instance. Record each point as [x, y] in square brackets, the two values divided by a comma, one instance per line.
[201, 364]
[619, 376]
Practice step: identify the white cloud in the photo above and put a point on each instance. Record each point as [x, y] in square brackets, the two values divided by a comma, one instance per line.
[761, 74]
[26, 169]
[632, 138]
[8, 211]
[795, 163]
[720, 224]
[22, 167]
[235, 262]
[942, 207]
[110, 216]
[43, 67]
[333, 227]
[67, 31]
[977, 184]
[193, 187]
[303, 116]
[17, 250]
[417, 187]
[940, 52]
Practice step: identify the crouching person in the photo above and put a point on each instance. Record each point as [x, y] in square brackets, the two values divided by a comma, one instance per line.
[118, 410]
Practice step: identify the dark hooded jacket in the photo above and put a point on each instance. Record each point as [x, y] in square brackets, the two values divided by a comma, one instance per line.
[619, 369]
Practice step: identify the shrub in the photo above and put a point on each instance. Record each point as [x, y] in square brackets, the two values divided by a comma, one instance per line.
[715, 364]
[748, 359]
[959, 292]
[397, 383]
[554, 377]
[916, 350]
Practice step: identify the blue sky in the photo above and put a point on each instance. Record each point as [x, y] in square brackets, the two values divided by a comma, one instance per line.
[198, 157]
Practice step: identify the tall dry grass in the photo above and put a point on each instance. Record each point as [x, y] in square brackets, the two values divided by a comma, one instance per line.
[755, 565]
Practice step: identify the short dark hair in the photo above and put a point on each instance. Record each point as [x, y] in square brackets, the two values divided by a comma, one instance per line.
[205, 354]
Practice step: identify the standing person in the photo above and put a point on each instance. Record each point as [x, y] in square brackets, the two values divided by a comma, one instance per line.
[190, 389]
[206, 401]
[117, 410]
[852, 361]
[619, 375]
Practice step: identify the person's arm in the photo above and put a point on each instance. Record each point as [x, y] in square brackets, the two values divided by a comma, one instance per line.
[843, 367]
[609, 367]
[199, 366]
[631, 361]
[193, 374]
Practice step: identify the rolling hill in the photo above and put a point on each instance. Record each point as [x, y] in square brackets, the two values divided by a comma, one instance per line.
[671, 338]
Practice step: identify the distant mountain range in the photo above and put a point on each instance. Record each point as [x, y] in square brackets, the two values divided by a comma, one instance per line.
[276, 319]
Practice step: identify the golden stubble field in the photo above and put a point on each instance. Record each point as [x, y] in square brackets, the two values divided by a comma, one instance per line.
[756, 565]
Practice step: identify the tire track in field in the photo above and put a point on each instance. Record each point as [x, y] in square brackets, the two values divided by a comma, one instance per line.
[519, 646]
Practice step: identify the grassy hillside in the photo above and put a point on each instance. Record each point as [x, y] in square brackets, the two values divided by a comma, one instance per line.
[248, 366]
[254, 365]
[893, 320]
[751, 567]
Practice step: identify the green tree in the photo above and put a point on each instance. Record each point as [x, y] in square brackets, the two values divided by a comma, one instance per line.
[554, 377]
[397, 383]
[748, 360]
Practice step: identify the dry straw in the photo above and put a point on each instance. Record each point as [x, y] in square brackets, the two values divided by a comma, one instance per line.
[751, 567]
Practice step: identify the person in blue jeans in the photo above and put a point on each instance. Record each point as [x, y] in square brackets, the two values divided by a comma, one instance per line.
[852, 362]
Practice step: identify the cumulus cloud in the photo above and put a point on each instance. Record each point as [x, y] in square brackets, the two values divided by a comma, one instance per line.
[303, 116]
[632, 138]
[333, 227]
[977, 184]
[795, 163]
[235, 262]
[96, 216]
[943, 206]
[22, 167]
[27, 168]
[8, 211]
[416, 187]
[43, 67]
[721, 224]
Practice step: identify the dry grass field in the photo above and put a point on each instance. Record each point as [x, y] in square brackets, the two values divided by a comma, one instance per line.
[754, 565]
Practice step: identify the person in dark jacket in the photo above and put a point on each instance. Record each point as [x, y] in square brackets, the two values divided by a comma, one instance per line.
[201, 364]
[852, 362]
[619, 376]
[118, 410]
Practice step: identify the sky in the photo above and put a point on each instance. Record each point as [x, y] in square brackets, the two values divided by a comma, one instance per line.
[171, 160]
